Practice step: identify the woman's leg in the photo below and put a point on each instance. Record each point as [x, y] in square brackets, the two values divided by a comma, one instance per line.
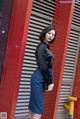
[30, 115]
[36, 116]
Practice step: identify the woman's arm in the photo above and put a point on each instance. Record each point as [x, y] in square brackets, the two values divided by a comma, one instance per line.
[41, 57]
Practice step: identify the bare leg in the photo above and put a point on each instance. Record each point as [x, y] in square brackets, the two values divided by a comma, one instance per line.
[36, 116]
[30, 114]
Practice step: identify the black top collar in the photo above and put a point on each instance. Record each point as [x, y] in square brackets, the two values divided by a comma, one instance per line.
[47, 45]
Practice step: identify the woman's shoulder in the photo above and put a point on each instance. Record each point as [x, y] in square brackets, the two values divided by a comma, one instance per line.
[41, 45]
[40, 48]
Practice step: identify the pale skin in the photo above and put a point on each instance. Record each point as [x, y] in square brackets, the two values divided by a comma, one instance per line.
[48, 37]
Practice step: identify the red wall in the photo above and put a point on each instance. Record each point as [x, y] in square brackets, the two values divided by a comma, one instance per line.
[62, 22]
[76, 90]
[14, 56]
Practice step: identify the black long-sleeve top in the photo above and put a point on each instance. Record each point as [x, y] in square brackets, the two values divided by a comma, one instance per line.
[45, 58]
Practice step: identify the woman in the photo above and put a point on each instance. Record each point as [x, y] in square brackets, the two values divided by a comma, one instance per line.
[42, 79]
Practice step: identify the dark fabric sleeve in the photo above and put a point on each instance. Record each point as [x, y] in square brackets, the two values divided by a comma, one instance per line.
[41, 57]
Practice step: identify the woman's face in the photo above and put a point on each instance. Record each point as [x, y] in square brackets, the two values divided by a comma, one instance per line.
[49, 36]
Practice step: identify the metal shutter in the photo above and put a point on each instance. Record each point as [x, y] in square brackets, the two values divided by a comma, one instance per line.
[70, 63]
[42, 15]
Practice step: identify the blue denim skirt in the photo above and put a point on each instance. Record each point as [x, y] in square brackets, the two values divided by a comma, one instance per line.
[36, 103]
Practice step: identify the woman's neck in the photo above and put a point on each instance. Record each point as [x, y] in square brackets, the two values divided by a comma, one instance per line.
[46, 42]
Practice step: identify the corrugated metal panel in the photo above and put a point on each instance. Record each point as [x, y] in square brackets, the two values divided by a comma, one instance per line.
[42, 15]
[70, 63]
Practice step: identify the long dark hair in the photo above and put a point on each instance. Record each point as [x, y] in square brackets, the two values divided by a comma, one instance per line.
[46, 30]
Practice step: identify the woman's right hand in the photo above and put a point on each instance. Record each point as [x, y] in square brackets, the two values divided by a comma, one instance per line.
[50, 87]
